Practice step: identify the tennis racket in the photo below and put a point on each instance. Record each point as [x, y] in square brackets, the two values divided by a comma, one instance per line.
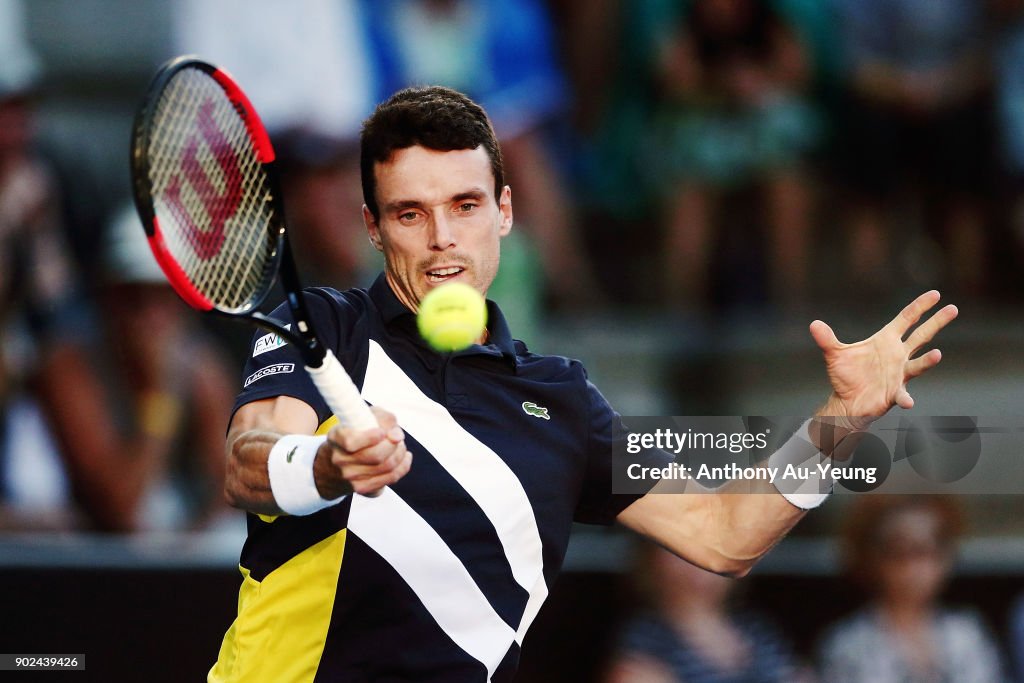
[206, 188]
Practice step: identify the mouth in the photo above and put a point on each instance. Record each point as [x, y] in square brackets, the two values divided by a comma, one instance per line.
[439, 275]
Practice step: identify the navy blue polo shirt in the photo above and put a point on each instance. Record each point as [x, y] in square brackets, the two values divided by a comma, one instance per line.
[438, 578]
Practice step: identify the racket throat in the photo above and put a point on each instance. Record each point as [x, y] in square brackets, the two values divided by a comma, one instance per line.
[301, 337]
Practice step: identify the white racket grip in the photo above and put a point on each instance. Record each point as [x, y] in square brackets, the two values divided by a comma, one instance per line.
[341, 394]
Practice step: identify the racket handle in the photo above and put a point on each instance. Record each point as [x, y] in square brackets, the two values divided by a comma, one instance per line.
[341, 394]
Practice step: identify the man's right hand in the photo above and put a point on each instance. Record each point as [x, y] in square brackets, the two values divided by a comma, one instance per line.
[363, 461]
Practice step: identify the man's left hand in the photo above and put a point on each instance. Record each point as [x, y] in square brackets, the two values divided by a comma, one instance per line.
[870, 376]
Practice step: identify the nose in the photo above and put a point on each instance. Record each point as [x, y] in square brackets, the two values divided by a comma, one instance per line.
[441, 234]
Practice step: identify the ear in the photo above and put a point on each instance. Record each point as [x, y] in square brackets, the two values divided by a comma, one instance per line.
[505, 207]
[372, 229]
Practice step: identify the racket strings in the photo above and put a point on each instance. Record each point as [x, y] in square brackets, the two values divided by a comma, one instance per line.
[210, 192]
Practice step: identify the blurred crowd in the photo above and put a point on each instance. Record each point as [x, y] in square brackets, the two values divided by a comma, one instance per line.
[898, 554]
[686, 157]
[776, 152]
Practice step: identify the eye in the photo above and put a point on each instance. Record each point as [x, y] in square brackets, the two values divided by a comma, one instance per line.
[466, 207]
[407, 217]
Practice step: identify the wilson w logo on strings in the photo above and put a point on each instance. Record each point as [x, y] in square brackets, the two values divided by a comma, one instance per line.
[204, 224]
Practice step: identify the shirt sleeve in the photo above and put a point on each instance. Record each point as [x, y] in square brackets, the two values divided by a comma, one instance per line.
[598, 504]
[274, 367]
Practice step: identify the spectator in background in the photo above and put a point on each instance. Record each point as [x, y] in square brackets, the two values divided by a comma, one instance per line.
[1009, 92]
[689, 632]
[616, 193]
[901, 549]
[36, 289]
[305, 66]
[917, 131]
[161, 361]
[1017, 639]
[733, 112]
[67, 460]
[122, 406]
[320, 183]
[500, 53]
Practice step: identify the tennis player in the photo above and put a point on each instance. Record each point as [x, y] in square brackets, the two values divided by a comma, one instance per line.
[439, 575]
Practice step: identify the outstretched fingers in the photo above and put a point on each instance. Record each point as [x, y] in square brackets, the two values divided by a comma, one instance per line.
[927, 331]
[909, 316]
[903, 399]
[924, 363]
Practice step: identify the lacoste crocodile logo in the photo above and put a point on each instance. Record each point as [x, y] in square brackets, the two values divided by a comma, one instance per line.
[288, 458]
[531, 408]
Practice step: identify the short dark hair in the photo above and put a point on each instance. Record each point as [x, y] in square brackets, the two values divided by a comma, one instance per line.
[435, 117]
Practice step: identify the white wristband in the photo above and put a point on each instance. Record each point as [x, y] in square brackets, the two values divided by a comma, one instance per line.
[290, 468]
[805, 492]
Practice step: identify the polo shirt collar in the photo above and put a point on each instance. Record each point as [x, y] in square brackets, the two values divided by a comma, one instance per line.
[500, 337]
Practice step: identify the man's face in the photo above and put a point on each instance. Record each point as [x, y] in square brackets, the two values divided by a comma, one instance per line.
[439, 221]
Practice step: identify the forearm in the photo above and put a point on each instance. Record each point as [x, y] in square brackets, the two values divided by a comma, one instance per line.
[271, 439]
[750, 524]
[247, 478]
[748, 518]
[755, 516]
[109, 471]
[726, 530]
[722, 532]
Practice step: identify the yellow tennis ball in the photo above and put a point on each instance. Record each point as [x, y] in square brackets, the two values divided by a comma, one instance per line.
[452, 316]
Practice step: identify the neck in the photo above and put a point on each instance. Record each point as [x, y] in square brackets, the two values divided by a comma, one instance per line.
[692, 611]
[906, 616]
[406, 298]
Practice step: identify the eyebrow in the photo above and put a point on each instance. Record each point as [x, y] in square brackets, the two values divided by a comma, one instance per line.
[471, 194]
[402, 204]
